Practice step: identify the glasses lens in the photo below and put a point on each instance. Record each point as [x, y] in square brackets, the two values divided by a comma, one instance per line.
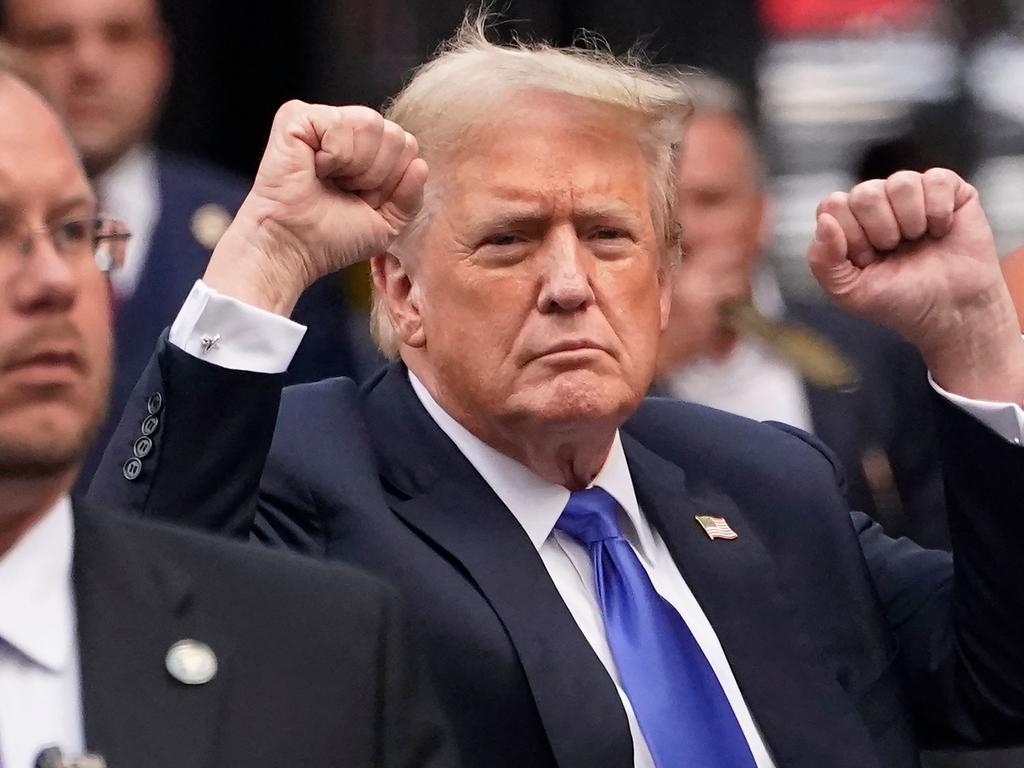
[74, 237]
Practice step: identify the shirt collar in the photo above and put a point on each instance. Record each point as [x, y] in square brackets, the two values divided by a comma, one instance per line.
[535, 502]
[37, 612]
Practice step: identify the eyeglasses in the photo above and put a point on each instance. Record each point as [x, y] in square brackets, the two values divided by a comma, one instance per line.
[105, 240]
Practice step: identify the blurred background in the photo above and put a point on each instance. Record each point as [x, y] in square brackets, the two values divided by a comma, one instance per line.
[842, 88]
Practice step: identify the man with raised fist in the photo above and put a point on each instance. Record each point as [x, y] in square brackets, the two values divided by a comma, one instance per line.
[599, 580]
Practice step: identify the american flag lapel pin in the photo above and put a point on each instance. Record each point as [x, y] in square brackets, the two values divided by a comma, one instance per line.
[715, 527]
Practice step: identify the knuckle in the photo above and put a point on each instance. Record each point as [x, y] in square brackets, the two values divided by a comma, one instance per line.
[940, 177]
[291, 109]
[364, 119]
[902, 183]
[868, 194]
[833, 202]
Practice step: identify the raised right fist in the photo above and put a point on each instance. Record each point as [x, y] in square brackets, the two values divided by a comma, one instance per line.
[336, 186]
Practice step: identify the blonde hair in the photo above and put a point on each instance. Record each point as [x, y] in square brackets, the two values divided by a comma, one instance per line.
[469, 75]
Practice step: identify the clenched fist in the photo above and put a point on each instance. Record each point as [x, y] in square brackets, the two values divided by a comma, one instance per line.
[336, 186]
[914, 252]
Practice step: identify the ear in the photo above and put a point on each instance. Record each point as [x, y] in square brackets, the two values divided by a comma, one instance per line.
[400, 297]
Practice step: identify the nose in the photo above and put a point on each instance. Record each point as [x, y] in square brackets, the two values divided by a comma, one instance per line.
[566, 282]
[46, 282]
[90, 54]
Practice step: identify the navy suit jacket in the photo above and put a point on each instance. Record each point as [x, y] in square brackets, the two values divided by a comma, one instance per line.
[885, 427]
[314, 666]
[850, 648]
[175, 260]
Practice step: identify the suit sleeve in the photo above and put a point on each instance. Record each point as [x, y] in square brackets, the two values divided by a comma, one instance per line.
[191, 444]
[960, 630]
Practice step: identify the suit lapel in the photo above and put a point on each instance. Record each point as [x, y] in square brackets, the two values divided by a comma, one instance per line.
[132, 606]
[441, 496]
[799, 707]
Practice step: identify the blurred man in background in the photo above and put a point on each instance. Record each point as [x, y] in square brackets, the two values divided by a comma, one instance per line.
[106, 66]
[733, 343]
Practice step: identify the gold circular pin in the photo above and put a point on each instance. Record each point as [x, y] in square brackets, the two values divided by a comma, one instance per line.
[209, 223]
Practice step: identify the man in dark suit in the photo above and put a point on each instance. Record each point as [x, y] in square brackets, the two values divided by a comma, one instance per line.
[600, 581]
[144, 644]
[105, 66]
[735, 343]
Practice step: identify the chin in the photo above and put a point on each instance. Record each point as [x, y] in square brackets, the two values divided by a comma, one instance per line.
[583, 396]
[48, 441]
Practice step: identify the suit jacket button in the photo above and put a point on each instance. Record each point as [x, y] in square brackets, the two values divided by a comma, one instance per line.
[155, 403]
[142, 447]
[131, 469]
[149, 425]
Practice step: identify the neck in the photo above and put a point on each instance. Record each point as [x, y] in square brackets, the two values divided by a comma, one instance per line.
[571, 459]
[24, 501]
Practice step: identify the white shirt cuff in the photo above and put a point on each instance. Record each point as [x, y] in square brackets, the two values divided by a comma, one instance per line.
[232, 334]
[1005, 419]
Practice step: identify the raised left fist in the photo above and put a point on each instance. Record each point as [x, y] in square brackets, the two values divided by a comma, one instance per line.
[914, 252]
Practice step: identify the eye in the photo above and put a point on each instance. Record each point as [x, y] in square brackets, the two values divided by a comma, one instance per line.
[608, 233]
[74, 233]
[503, 238]
[48, 37]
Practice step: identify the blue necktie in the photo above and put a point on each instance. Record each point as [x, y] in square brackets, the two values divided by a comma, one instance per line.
[679, 703]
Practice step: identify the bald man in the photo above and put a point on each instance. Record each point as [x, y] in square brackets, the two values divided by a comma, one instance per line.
[139, 644]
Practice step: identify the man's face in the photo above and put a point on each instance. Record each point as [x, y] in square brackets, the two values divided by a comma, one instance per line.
[55, 349]
[721, 204]
[721, 210]
[103, 64]
[537, 281]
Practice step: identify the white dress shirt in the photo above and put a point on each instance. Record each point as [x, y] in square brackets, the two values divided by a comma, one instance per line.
[40, 685]
[130, 190]
[537, 505]
[534, 502]
[752, 380]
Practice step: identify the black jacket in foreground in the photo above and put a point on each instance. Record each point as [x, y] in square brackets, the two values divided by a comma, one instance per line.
[314, 667]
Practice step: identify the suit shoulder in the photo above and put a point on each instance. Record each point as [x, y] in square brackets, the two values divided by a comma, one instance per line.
[663, 416]
[689, 435]
[237, 566]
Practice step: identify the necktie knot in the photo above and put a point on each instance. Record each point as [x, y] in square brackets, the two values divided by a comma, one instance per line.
[590, 516]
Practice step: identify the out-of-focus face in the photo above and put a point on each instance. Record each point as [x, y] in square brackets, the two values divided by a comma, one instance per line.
[537, 289]
[721, 212]
[721, 204]
[55, 348]
[103, 64]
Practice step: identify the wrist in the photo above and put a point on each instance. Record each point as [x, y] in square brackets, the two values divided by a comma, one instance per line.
[251, 264]
[980, 354]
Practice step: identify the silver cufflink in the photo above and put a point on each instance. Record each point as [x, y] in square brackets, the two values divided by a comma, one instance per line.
[207, 343]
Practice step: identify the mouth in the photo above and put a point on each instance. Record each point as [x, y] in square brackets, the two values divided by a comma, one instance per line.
[46, 366]
[571, 348]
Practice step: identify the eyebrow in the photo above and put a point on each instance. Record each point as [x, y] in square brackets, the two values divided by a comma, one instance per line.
[78, 201]
[8, 210]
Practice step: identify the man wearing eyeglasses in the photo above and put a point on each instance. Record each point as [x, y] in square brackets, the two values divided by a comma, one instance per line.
[139, 644]
[105, 67]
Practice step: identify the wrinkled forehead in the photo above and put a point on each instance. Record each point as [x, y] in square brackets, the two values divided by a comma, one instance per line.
[544, 146]
[38, 165]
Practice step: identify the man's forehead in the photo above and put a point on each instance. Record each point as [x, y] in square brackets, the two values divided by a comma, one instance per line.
[36, 155]
[42, 12]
